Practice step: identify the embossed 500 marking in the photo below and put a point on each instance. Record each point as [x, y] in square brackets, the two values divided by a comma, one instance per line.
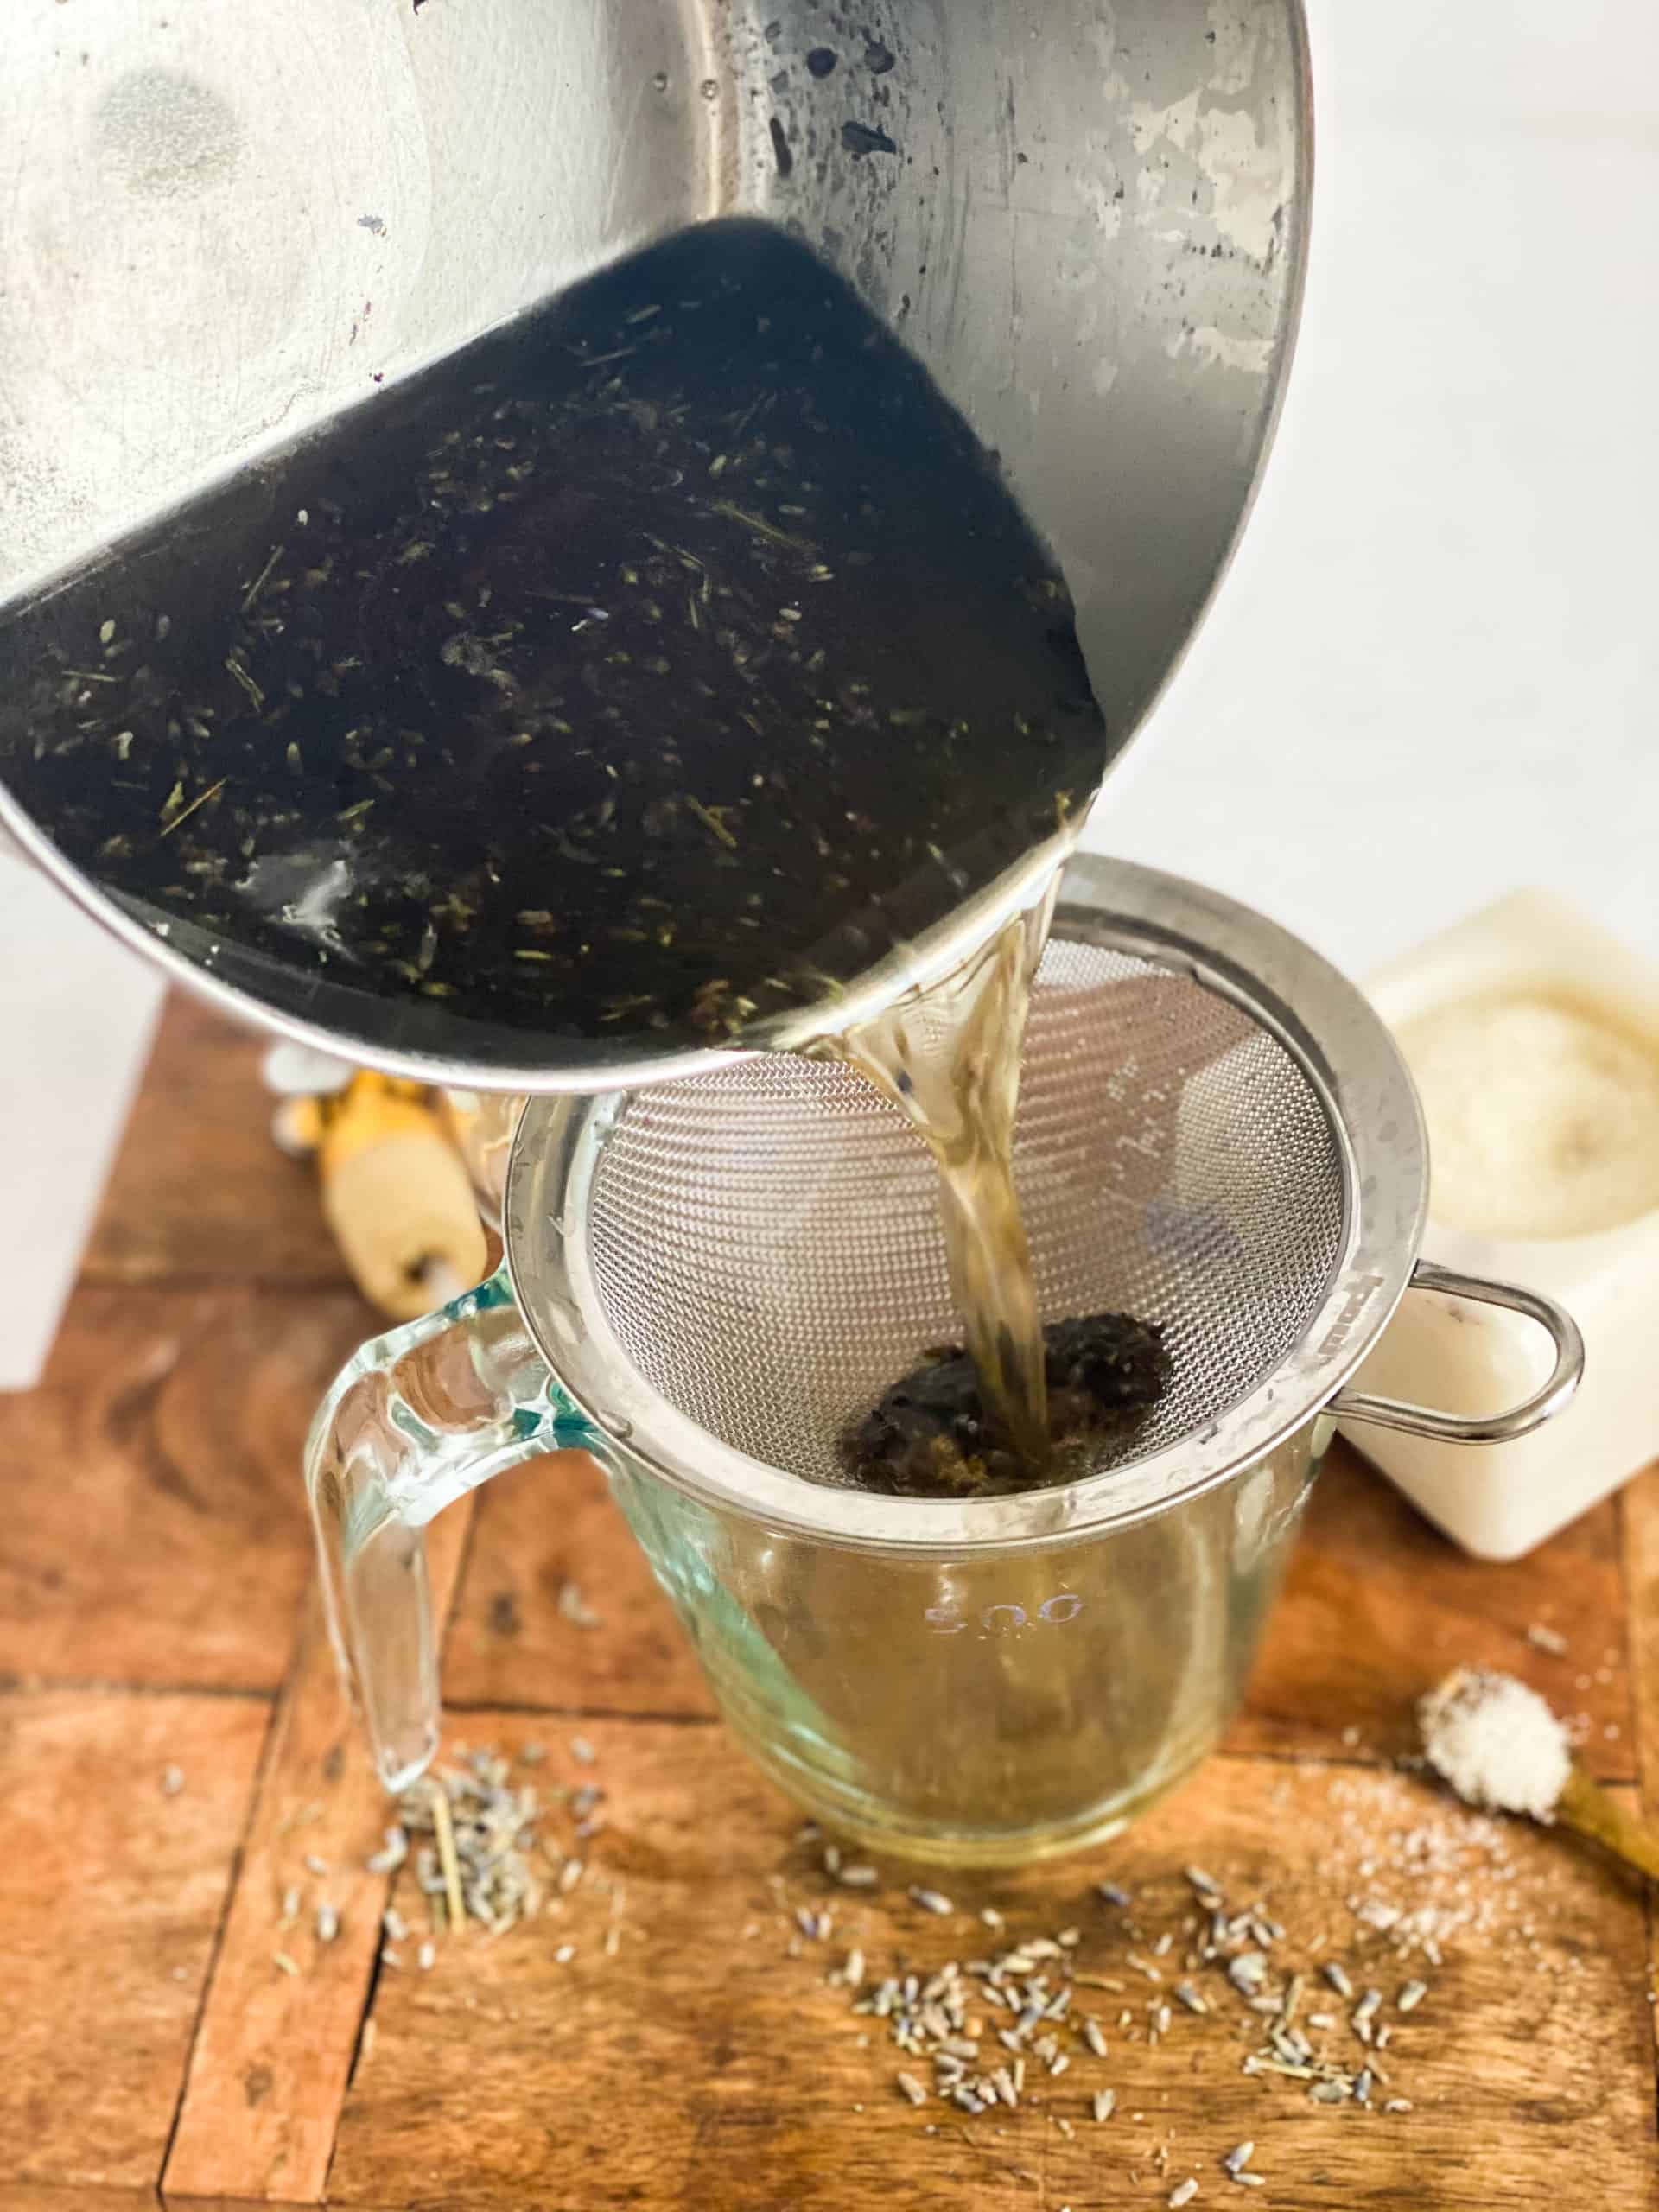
[997, 1620]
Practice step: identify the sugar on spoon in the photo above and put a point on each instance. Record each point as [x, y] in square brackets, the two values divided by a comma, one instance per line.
[1503, 1750]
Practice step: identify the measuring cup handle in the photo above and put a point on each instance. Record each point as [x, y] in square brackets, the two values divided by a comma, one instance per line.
[1539, 1405]
[419, 1416]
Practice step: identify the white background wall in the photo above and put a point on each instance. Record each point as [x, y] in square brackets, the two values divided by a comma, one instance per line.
[1434, 674]
[76, 1014]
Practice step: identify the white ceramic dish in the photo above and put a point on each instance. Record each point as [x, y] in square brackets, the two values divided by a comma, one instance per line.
[1501, 1502]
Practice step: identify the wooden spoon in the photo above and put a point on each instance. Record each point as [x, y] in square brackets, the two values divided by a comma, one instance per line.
[1503, 1750]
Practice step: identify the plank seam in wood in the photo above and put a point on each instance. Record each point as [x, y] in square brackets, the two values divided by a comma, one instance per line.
[82, 2196]
[530, 1710]
[267, 1752]
[1638, 1507]
[248, 2020]
[367, 2013]
[111, 1686]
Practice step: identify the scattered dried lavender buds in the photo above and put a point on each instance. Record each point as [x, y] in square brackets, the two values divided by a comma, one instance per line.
[967, 2033]
[573, 1608]
[391, 1855]
[483, 1829]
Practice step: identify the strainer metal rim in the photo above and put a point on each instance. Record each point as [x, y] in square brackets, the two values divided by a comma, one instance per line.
[1340, 1045]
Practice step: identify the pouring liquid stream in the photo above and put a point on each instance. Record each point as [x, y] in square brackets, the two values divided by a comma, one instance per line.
[948, 1058]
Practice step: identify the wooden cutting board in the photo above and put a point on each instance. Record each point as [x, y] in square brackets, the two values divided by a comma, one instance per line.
[174, 1757]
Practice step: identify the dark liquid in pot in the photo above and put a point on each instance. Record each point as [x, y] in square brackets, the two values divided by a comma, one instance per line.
[652, 666]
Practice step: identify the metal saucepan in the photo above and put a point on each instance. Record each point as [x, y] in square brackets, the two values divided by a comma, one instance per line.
[230, 226]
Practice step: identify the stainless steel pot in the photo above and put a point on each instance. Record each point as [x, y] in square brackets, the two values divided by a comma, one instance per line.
[228, 224]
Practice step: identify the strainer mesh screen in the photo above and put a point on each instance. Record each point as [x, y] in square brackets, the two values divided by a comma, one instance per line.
[766, 1240]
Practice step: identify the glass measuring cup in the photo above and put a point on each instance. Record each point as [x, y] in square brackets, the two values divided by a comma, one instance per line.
[706, 1281]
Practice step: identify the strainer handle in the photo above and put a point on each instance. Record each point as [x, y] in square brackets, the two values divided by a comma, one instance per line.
[417, 1418]
[1541, 1405]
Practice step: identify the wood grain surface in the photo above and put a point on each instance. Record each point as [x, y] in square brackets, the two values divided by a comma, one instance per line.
[275, 2045]
[542, 1528]
[732, 2075]
[199, 1192]
[691, 2049]
[112, 1896]
[1377, 1606]
[155, 1530]
[27, 2196]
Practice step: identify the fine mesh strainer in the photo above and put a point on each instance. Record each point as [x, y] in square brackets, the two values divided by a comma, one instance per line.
[765, 1243]
[1215, 1133]
[712, 1277]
